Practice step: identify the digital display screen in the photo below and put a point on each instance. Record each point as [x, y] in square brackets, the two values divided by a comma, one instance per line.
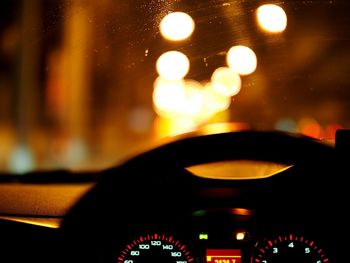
[223, 256]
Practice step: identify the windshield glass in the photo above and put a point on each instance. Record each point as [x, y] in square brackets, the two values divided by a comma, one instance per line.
[83, 83]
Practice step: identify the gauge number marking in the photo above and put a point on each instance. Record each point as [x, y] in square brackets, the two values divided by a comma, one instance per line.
[153, 247]
[289, 246]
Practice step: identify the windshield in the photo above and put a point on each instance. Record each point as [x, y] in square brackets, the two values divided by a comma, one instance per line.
[83, 83]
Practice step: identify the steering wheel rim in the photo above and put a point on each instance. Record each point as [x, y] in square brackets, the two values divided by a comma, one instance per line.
[271, 146]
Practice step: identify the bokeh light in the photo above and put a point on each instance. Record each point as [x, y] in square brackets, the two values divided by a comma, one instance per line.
[272, 18]
[242, 59]
[310, 127]
[167, 96]
[193, 99]
[287, 125]
[173, 65]
[164, 127]
[177, 26]
[177, 98]
[226, 81]
[331, 130]
[188, 99]
[213, 101]
[22, 160]
[140, 119]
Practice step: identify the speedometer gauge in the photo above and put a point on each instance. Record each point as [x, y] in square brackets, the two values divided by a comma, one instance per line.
[289, 249]
[155, 248]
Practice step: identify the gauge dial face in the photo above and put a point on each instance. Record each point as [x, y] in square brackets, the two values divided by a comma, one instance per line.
[155, 248]
[289, 249]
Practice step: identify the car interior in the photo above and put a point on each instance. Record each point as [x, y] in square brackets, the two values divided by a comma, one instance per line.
[174, 131]
[278, 197]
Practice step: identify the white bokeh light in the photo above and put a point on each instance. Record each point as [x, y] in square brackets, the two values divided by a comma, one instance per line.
[272, 18]
[177, 26]
[226, 81]
[173, 65]
[242, 59]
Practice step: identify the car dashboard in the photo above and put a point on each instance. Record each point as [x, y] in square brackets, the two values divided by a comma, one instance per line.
[153, 209]
[225, 228]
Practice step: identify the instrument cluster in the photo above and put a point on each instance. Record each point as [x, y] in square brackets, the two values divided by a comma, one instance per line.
[233, 236]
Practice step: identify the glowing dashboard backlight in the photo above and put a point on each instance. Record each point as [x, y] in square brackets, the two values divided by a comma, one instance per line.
[203, 236]
[223, 256]
[240, 235]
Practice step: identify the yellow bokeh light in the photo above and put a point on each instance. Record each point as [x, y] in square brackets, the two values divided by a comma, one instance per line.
[272, 18]
[167, 96]
[177, 26]
[242, 59]
[188, 99]
[177, 98]
[173, 65]
[213, 101]
[173, 126]
[193, 99]
[226, 81]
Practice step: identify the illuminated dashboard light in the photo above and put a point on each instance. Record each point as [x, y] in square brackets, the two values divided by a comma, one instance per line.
[272, 18]
[154, 244]
[223, 255]
[177, 26]
[173, 65]
[226, 81]
[242, 59]
[280, 247]
[203, 236]
[240, 235]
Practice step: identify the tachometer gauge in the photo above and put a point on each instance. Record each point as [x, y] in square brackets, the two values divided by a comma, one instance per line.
[289, 249]
[155, 248]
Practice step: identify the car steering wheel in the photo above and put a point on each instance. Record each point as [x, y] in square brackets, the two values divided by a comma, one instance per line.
[155, 187]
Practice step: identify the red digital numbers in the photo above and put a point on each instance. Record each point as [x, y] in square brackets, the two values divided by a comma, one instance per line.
[223, 256]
